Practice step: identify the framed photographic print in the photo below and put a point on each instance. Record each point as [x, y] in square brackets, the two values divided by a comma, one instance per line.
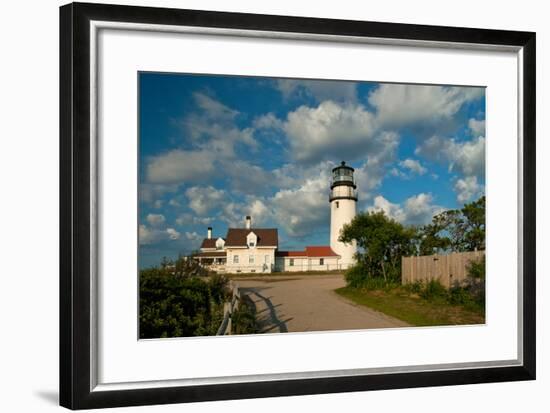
[257, 206]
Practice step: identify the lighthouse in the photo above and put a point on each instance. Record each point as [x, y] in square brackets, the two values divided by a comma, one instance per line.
[343, 202]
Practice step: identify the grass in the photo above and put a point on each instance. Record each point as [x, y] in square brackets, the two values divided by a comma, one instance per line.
[413, 309]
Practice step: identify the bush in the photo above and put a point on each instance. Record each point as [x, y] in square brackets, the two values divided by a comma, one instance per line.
[460, 295]
[433, 290]
[244, 318]
[356, 276]
[476, 269]
[476, 281]
[173, 306]
[415, 287]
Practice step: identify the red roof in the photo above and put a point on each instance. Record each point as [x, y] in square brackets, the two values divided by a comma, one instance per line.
[267, 237]
[310, 252]
[324, 251]
[291, 254]
[208, 243]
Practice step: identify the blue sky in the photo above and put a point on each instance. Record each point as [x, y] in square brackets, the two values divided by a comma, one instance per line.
[214, 149]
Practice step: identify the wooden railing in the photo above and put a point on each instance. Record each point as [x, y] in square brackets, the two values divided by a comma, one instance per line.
[229, 308]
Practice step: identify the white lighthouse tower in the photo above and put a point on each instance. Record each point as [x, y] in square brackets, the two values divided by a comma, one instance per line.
[343, 201]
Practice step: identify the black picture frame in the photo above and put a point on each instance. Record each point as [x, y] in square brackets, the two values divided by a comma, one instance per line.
[75, 219]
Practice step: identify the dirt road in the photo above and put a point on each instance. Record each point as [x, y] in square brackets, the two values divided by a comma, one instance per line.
[308, 303]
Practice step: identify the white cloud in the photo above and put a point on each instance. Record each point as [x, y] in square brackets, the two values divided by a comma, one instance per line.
[343, 91]
[467, 189]
[369, 176]
[391, 210]
[150, 192]
[174, 203]
[477, 127]
[467, 157]
[259, 212]
[179, 166]
[247, 178]
[417, 210]
[190, 219]
[400, 105]
[192, 236]
[213, 127]
[156, 220]
[331, 131]
[267, 121]
[149, 235]
[204, 199]
[213, 134]
[413, 166]
[213, 108]
[305, 209]
[172, 233]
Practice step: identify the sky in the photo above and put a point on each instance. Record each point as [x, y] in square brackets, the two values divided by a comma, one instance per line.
[214, 149]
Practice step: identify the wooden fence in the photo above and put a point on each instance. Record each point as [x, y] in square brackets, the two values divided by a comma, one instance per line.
[448, 269]
[229, 308]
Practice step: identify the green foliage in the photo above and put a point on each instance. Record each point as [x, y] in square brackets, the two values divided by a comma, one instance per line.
[179, 306]
[456, 230]
[414, 288]
[460, 295]
[358, 277]
[244, 318]
[433, 290]
[470, 294]
[476, 269]
[476, 281]
[382, 242]
[188, 267]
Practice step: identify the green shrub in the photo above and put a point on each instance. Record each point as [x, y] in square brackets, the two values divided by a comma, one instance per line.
[476, 281]
[433, 290]
[244, 318]
[476, 269]
[356, 276]
[174, 306]
[415, 287]
[459, 295]
[359, 277]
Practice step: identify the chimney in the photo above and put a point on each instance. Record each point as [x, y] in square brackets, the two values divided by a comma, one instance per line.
[248, 223]
[209, 233]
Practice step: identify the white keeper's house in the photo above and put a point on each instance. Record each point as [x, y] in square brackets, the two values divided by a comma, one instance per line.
[256, 250]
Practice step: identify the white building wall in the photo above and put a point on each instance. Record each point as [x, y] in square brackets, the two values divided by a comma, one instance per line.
[263, 260]
[307, 264]
[342, 211]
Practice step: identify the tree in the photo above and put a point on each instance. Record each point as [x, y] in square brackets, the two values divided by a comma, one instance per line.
[455, 230]
[474, 225]
[382, 242]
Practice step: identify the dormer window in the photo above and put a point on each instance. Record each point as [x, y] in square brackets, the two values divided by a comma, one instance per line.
[251, 240]
[220, 243]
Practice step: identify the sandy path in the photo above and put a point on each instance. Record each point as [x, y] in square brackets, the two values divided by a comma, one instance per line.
[308, 303]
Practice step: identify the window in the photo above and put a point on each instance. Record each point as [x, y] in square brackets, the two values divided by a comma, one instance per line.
[251, 259]
[251, 244]
[321, 261]
[235, 259]
[291, 262]
[266, 259]
[337, 204]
